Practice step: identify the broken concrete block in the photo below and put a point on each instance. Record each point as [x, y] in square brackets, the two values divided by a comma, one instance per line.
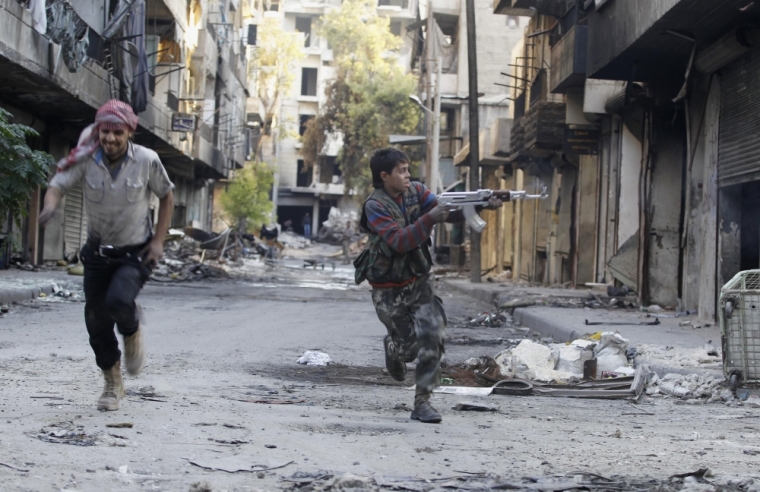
[727, 395]
[681, 391]
[667, 387]
[672, 377]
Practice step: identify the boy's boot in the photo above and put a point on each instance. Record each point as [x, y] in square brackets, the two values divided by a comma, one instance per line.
[423, 411]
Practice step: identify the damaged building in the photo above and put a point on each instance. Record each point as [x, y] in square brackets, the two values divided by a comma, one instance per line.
[639, 118]
[180, 65]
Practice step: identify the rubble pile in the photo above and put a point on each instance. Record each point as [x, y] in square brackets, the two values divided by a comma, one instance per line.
[293, 241]
[565, 362]
[690, 387]
[182, 261]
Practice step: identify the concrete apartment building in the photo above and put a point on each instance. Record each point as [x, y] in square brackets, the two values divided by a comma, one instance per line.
[181, 65]
[315, 190]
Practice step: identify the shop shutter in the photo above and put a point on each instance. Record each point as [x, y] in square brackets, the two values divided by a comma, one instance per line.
[74, 222]
[739, 135]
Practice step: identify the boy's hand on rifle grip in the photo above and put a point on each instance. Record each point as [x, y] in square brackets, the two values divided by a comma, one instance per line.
[439, 214]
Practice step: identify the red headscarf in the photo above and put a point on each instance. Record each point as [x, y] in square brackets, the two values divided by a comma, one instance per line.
[113, 115]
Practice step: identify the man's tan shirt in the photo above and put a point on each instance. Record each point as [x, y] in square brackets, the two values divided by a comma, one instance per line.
[118, 210]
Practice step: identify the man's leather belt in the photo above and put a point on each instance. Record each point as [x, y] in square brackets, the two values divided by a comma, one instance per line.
[108, 251]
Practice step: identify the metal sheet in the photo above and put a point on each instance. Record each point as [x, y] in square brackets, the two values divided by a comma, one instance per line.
[738, 145]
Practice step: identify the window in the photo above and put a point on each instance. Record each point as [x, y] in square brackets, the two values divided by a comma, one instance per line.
[396, 28]
[303, 120]
[308, 81]
[447, 120]
[303, 25]
[329, 170]
[303, 178]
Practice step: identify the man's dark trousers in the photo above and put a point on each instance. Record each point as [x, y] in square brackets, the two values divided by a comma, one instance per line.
[111, 286]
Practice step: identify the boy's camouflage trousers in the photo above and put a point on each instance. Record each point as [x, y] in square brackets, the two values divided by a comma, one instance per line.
[416, 322]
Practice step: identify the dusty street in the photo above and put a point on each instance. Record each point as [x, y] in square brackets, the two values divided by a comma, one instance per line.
[226, 391]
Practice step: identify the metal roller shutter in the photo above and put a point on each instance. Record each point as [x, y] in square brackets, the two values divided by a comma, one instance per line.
[74, 222]
[739, 134]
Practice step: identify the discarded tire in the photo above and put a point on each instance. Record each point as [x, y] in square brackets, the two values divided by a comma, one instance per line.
[514, 387]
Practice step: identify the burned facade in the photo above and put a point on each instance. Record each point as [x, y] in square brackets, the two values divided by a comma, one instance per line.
[181, 65]
[640, 119]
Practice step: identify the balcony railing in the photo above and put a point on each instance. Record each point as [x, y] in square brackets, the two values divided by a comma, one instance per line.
[514, 7]
[569, 59]
[541, 129]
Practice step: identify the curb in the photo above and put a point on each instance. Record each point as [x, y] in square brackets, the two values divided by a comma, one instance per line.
[534, 321]
[8, 296]
[527, 317]
[482, 295]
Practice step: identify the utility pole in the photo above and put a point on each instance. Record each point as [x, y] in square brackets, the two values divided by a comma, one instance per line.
[435, 179]
[425, 172]
[472, 72]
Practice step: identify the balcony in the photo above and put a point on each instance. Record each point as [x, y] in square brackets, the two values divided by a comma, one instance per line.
[205, 53]
[539, 133]
[514, 7]
[634, 32]
[451, 7]
[569, 58]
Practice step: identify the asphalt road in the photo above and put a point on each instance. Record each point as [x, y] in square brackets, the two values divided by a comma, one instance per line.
[222, 389]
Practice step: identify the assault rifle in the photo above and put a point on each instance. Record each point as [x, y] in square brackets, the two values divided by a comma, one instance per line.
[466, 201]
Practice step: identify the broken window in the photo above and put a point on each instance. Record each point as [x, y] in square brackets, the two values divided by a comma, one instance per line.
[308, 81]
[303, 25]
[303, 177]
[303, 121]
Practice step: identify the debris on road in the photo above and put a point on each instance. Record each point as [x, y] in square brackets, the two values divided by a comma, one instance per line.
[474, 407]
[234, 464]
[495, 320]
[75, 435]
[13, 467]
[314, 358]
[121, 425]
[623, 323]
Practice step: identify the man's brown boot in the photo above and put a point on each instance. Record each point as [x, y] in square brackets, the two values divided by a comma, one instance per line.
[113, 391]
[134, 352]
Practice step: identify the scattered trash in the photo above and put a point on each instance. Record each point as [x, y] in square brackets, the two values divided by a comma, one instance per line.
[238, 463]
[270, 446]
[13, 467]
[121, 425]
[623, 323]
[474, 407]
[77, 269]
[314, 358]
[75, 435]
[488, 319]
[518, 303]
[4, 308]
[711, 351]
[613, 291]
[610, 352]
[124, 470]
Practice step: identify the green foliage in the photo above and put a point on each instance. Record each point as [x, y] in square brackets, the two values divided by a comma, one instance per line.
[22, 170]
[247, 196]
[369, 97]
[272, 64]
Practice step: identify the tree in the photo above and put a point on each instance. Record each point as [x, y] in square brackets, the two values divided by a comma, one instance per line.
[272, 66]
[246, 199]
[22, 169]
[369, 97]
